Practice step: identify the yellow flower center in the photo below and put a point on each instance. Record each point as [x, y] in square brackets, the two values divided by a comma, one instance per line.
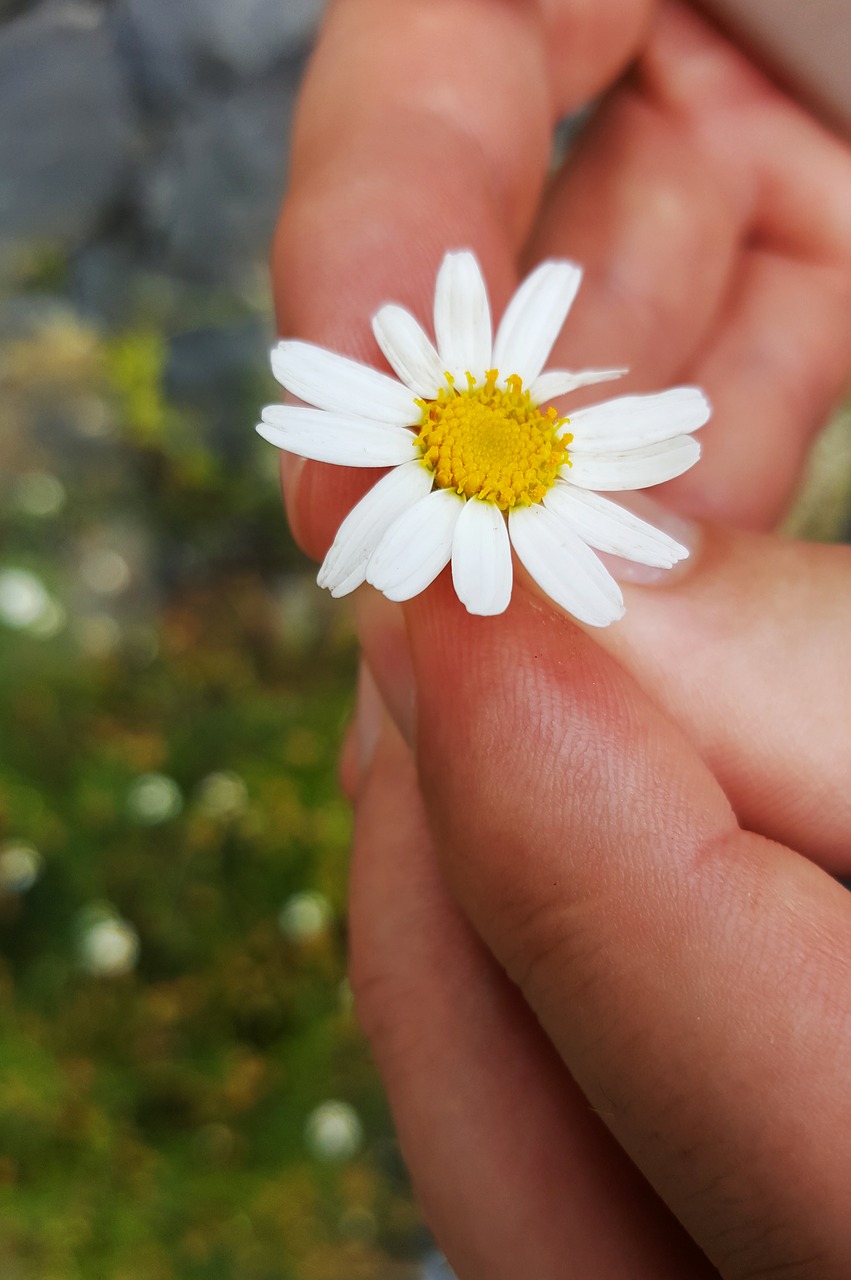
[492, 443]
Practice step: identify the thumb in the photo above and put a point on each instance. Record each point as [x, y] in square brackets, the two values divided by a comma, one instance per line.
[694, 977]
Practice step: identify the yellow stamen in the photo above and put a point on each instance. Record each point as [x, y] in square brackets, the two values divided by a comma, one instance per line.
[492, 443]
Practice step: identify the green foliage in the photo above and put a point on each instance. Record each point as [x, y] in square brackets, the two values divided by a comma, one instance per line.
[173, 689]
[135, 362]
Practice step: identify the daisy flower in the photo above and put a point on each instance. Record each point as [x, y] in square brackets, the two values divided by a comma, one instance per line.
[481, 460]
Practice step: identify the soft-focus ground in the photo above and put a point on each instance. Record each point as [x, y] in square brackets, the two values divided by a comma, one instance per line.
[183, 1092]
[183, 1089]
[173, 1007]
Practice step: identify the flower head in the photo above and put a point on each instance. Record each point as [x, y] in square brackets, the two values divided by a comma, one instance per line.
[482, 462]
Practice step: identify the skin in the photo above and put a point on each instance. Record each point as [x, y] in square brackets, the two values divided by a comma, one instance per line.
[597, 944]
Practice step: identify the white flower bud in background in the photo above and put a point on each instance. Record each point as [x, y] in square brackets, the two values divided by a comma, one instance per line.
[39, 494]
[20, 867]
[108, 945]
[333, 1131]
[154, 798]
[26, 605]
[105, 571]
[222, 795]
[304, 917]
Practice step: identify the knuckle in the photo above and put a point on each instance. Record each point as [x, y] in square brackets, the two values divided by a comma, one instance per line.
[551, 949]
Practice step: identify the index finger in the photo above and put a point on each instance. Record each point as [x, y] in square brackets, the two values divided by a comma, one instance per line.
[424, 125]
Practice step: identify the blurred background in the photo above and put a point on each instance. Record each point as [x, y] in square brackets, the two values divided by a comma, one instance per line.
[183, 1089]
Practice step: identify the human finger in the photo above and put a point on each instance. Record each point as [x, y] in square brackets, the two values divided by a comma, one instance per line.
[704, 262]
[739, 644]
[404, 147]
[779, 357]
[657, 225]
[515, 1173]
[748, 654]
[693, 977]
[774, 369]
[746, 651]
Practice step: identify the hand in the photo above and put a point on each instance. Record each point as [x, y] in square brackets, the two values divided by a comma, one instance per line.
[690, 977]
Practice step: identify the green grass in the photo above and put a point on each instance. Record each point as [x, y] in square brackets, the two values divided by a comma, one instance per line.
[152, 1121]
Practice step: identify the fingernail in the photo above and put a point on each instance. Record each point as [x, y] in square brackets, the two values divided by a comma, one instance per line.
[384, 638]
[686, 532]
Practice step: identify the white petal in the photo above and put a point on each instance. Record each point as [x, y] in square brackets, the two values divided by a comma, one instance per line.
[344, 567]
[329, 437]
[416, 546]
[533, 319]
[462, 318]
[632, 468]
[408, 350]
[608, 527]
[481, 559]
[558, 382]
[564, 567]
[333, 382]
[632, 421]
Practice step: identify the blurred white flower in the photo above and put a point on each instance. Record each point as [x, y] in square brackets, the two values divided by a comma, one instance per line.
[222, 795]
[20, 867]
[105, 571]
[333, 1131]
[305, 916]
[154, 798]
[51, 622]
[24, 600]
[109, 947]
[38, 493]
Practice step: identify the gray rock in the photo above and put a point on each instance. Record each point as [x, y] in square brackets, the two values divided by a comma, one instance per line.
[218, 371]
[110, 283]
[248, 35]
[67, 128]
[176, 47]
[11, 8]
[212, 199]
[210, 363]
